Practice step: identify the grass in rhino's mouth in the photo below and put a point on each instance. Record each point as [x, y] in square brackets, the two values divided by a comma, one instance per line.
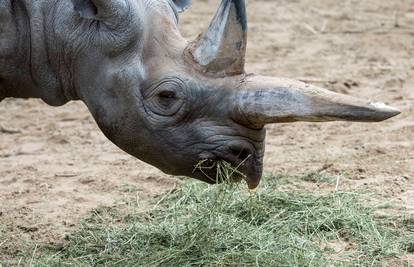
[220, 171]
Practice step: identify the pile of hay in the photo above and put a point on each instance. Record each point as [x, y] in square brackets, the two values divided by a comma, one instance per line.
[227, 225]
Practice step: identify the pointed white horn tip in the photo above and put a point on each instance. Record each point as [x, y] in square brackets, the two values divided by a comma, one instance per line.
[384, 111]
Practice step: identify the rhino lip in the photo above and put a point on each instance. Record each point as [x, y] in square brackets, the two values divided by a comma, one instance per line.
[246, 168]
[241, 158]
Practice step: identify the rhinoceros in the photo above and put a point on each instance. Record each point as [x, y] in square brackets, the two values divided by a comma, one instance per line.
[166, 101]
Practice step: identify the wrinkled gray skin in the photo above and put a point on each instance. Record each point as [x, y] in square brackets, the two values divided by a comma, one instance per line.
[125, 60]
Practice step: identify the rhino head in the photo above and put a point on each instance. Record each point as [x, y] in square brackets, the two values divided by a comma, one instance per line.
[174, 103]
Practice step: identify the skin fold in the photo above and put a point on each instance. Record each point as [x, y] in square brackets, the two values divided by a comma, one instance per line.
[167, 101]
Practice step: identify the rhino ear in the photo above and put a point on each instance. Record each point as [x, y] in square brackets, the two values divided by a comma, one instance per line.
[181, 5]
[112, 12]
[86, 9]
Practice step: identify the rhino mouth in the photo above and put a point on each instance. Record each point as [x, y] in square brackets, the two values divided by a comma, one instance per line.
[234, 163]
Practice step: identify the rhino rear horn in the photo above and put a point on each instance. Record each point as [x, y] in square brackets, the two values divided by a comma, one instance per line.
[222, 48]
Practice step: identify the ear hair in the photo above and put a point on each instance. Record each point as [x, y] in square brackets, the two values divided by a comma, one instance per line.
[181, 5]
[85, 8]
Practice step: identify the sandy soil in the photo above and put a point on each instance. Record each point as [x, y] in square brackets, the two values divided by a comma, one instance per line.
[55, 165]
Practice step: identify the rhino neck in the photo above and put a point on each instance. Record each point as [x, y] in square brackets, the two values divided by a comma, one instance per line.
[26, 72]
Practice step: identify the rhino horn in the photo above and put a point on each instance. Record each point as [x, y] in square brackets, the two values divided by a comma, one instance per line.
[222, 48]
[264, 100]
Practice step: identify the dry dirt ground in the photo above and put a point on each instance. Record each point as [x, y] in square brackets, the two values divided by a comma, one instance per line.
[55, 165]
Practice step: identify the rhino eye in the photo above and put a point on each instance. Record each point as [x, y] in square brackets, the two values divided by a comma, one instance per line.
[167, 95]
[166, 98]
